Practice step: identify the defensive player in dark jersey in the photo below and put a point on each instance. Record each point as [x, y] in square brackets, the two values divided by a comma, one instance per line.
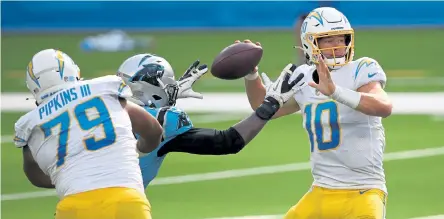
[154, 87]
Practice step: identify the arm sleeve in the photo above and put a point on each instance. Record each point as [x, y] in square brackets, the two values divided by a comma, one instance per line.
[369, 70]
[205, 142]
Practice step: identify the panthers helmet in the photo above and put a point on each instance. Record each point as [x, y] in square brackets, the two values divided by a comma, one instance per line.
[151, 79]
[325, 22]
[48, 72]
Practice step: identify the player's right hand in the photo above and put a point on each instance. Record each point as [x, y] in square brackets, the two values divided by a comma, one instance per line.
[282, 89]
[254, 74]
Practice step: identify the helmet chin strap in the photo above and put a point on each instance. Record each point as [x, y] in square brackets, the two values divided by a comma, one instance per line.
[171, 91]
[332, 64]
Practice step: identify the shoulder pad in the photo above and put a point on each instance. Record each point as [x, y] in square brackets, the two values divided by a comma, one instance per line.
[105, 79]
[368, 70]
[111, 84]
[365, 65]
[173, 120]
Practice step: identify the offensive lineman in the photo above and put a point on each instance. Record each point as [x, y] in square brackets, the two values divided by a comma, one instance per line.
[151, 79]
[79, 140]
[342, 109]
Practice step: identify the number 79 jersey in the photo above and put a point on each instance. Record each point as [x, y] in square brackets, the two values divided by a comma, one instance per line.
[82, 138]
[346, 145]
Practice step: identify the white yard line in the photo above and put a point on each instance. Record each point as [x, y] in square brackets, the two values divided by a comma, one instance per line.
[431, 217]
[7, 138]
[403, 103]
[403, 155]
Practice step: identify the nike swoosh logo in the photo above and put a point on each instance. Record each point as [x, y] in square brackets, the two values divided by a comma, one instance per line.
[370, 75]
[364, 191]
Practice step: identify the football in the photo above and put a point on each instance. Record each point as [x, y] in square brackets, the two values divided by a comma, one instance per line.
[236, 61]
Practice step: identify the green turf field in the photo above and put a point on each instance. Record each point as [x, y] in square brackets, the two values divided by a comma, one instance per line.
[415, 185]
[402, 53]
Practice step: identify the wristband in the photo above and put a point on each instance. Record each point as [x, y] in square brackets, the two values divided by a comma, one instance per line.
[347, 97]
[251, 76]
[267, 109]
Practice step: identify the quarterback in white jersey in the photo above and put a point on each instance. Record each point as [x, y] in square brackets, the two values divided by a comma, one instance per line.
[80, 140]
[342, 109]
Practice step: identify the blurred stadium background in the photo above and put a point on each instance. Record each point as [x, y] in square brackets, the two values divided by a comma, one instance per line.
[272, 173]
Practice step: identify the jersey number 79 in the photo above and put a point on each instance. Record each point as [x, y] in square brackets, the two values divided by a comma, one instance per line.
[85, 123]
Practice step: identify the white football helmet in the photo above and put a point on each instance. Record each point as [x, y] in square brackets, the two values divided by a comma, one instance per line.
[48, 72]
[151, 79]
[324, 22]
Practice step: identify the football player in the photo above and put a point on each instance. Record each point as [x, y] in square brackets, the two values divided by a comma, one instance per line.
[79, 140]
[342, 109]
[152, 81]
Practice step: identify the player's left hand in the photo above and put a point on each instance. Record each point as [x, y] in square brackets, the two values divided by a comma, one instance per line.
[283, 89]
[326, 85]
[191, 75]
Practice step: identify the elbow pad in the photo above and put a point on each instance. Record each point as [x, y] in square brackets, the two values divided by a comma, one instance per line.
[231, 140]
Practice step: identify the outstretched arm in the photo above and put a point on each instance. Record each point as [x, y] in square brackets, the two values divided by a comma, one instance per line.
[232, 140]
[256, 91]
[206, 141]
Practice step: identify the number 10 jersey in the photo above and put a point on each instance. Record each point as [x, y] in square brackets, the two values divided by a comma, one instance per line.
[347, 146]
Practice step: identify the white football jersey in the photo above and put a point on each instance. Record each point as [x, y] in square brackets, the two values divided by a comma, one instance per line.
[82, 138]
[347, 146]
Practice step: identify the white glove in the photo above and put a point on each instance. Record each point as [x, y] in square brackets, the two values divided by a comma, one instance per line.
[191, 75]
[282, 89]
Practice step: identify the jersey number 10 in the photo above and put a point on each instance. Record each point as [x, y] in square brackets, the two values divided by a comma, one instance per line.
[85, 123]
[315, 122]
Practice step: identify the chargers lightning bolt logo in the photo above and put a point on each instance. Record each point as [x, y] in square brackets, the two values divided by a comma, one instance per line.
[61, 62]
[317, 16]
[366, 62]
[31, 73]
